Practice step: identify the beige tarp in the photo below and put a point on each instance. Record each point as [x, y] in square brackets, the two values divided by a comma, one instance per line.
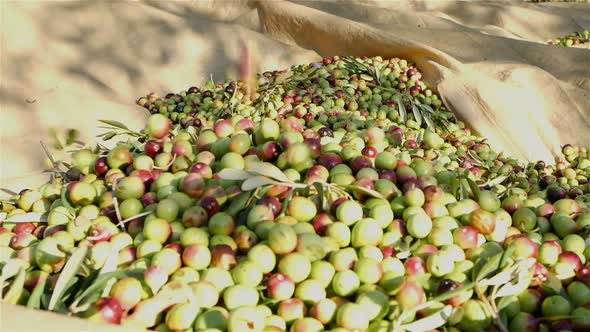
[66, 64]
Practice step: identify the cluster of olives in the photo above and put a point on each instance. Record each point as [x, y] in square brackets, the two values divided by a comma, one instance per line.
[573, 39]
[340, 196]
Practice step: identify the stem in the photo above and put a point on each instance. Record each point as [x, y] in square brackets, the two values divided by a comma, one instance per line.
[123, 222]
[492, 308]
[116, 204]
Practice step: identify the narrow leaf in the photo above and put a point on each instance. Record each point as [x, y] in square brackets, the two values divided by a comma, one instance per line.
[513, 289]
[505, 302]
[495, 181]
[239, 203]
[16, 287]
[323, 202]
[114, 124]
[283, 77]
[367, 191]
[552, 285]
[500, 278]
[286, 202]
[65, 202]
[401, 108]
[96, 286]
[427, 108]
[110, 264]
[431, 322]
[108, 136]
[256, 182]
[267, 169]
[417, 114]
[27, 217]
[68, 272]
[474, 188]
[34, 301]
[233, 174]
[429, 122]
[488, 266]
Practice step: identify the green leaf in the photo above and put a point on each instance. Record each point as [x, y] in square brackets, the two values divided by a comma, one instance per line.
[286, 202]
[34, 301]
[474, 188]
[417, 114]
[16, 287]
[429, 122]
[495, 181]
[488, 266]
[108, 136]
[114, 124]
[65, 202]
[525, 277]
[323, 201]
[506, 256]
[501, 278]
[268, 170]
[401, 108]
[552, 285]
[68, 272]
[27, 217]
[505, 302]
[11, 268]
[110, 264]
[256, 182]
[364, 190]
[239, 203]
[426, 108]
[431, 322]
[96, 287]
[235, 174]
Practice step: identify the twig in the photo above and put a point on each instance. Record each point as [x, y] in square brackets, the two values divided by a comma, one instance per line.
[49, 155]
[116, 204]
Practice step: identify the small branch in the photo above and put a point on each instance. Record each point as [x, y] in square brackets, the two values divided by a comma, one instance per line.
[116, 204]
[123, 222]
[49, 155]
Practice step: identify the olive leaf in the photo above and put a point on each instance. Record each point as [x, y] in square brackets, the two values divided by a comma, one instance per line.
[65, 202]
[500, 278]
[16, 287]
[26, 217]
[495, 181]
[239, 203]
[234, 174]
[430, 322]
[110, 264]
[505, 302]
[485, 267]
[268, 170]
[256, 182]
[115, 124]
[474, 188]
[68, 272]
[34, 301]
[11, 268]
[323, 201]
[286, 202]
[364, 190]
[552, 285]
[417, 114]
[401, 108]
[99, 283]
[524, 279]
[429, 123]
